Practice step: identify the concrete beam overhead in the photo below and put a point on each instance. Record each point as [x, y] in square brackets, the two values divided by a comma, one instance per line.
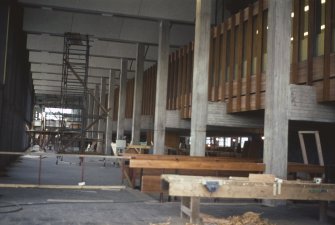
[173, 10]
[111, 28]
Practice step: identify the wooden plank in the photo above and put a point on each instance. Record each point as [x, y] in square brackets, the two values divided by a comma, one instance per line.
[223, 62]
[189, 186]
[154, 91]
[295, 42]
[249, 57]
[84, 187]
[232, 65]
[189, 158]
[211, 67]
[310, 45]
[195, 165]
[327, 50]
[184, 77]
[216, 64]
[180, 75]
[259, 53]
[312, 169]
[239, 62]
[175, 85]
[303, 148]
[169, 86]
[188, 79]
[261, 177]
[319, 148]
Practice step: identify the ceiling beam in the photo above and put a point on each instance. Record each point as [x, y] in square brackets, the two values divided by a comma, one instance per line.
[106, 28]
[173, 10]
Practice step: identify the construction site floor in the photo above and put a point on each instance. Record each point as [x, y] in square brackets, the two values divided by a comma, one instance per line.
[116, 207]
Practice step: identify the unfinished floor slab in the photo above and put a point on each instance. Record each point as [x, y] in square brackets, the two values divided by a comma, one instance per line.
[124, 206]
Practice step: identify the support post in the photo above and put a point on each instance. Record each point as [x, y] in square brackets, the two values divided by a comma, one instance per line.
[200, 78]
[90, 114]
[95, 112]
[277, 89]
[137, 105]
[190, 207]
[122, 99]
[102, 121]
[161, 87]
[109, 124]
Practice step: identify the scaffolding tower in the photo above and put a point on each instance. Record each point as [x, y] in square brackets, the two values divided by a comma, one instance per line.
[74, 91]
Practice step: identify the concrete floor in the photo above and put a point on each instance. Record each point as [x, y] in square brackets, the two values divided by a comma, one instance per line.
[126, 207]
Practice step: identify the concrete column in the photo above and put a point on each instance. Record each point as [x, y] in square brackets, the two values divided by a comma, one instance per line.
[95, 112]
[90, 114]
[102, 121]
[137, 105]
[109, 125]
[200, 78]
[122, 99]
[277, 88]
[161, 87]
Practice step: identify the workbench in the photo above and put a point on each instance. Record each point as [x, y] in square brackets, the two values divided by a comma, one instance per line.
[256, 186]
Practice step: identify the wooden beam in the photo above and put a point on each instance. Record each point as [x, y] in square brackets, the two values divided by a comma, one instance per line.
[310, 45]
[189, 158]
[222, 94]
[195, 165]
[327, 50]
[191, 186]
[239, 62]
[215, 86]
[211, 66]
[84, 187]
[232, 65]
[259, 52]
[249, 38]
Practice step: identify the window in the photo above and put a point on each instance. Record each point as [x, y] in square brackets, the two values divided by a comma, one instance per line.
[333, 26]
[245, 47]
[264, 40]
[254, 45]
[235, 52]
[228, 56]
[320, 25]
[303, 32]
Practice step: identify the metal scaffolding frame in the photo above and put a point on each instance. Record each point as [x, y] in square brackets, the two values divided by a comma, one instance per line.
[74, 94]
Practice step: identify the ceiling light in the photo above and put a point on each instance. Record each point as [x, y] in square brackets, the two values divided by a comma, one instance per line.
[292, 14]
[323, 1]
[305, 34]
[306, 8]
[323, 26]
[291, 38]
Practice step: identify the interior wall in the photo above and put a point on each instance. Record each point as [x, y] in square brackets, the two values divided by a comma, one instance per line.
[16, 88]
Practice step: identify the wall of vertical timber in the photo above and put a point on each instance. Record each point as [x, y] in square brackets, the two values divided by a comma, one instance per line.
[16, 88]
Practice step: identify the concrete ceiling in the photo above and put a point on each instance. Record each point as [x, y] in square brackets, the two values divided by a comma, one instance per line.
[114, 26]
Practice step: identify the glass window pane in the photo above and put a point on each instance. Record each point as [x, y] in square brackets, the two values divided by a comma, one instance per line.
[333, 26]
[303, 33]
[264, 40]
[320, 26]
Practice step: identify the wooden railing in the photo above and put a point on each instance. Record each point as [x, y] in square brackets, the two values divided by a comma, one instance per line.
[238, 55]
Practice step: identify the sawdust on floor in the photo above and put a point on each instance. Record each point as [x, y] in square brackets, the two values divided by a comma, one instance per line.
[248, 218]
